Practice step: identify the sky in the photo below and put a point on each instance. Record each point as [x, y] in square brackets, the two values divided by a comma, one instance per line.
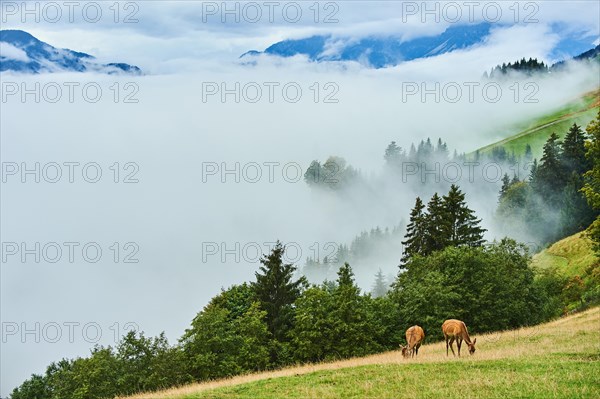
[162, 191]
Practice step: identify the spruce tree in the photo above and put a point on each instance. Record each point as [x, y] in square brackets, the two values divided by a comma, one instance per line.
[550, 177]
[436, 237]
[412, 153]
[533, 170]
[505, 186]
[576, 214]
[380, 286]
[573, 151]
[460, 226]
[393, 155]
[415, 238]
[441, 150]
[276, 290]
[349, 318]
[515, 179]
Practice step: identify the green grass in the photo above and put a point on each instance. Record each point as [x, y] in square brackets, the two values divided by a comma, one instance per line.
[565, 376]
[537, 131]
[571, 255]
[560, 359]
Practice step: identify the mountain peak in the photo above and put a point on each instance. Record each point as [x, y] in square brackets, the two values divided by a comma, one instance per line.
[23, 52]
[380, 51]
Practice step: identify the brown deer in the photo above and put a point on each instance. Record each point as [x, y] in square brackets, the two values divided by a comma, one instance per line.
[457, 330]
[414, 338]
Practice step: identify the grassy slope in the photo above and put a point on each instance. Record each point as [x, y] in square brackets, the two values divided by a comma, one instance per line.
[537, 132]
[572, 255]
[560, 359]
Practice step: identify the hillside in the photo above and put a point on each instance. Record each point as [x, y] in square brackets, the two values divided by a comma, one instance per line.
[560, 359]
[571, 255]
[535, 133]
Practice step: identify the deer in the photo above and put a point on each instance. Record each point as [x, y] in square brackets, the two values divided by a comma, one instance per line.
[414, 338]
[457, 330]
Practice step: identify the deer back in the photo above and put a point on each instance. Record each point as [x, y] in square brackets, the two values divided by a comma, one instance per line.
[414, 336]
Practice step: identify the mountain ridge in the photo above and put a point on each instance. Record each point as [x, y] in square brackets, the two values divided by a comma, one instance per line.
[20, 51]
[388, 51]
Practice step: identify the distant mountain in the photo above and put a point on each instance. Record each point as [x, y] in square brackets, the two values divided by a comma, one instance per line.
[592, 55]
[22, 52]
[379, 52]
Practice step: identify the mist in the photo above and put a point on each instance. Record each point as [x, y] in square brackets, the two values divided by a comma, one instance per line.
[212, 172]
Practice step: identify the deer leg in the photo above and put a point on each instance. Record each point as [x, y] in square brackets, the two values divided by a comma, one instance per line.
[446, 346]
[458, 344]
[451, 348]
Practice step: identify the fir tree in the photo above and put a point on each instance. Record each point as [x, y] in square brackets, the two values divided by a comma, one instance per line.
[412, 153]
[415, 238]
[505, 186]
[550, 178]
[461, 226]
[576, 214]
[348, 318]
[573, 151]
[441, 150]
[533, 170]
[515, 179]
[380, 286]
[436, 237]
[393, 154]
[276, 291]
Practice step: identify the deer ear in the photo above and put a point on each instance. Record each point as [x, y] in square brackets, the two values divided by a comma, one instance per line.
[474, 340]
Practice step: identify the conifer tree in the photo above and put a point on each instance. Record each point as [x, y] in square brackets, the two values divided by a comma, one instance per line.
[441, 150]
[412, 153]
[415, 238]
[533, 170]
[380, 286]
[459, 223]
[276, 290]
[436, 237]
[349, 318]
[393, 154]
[505, 185]
[573, 151]
[576, 214]
[550, 177]
[515, 179]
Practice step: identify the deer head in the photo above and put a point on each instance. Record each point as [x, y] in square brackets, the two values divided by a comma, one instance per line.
[472, 346]
[405, 351]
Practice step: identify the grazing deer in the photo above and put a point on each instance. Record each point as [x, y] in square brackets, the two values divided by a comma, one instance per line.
[414, 338]
[457, 330]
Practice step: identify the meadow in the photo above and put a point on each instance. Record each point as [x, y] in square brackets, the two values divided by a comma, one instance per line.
[560, 359]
